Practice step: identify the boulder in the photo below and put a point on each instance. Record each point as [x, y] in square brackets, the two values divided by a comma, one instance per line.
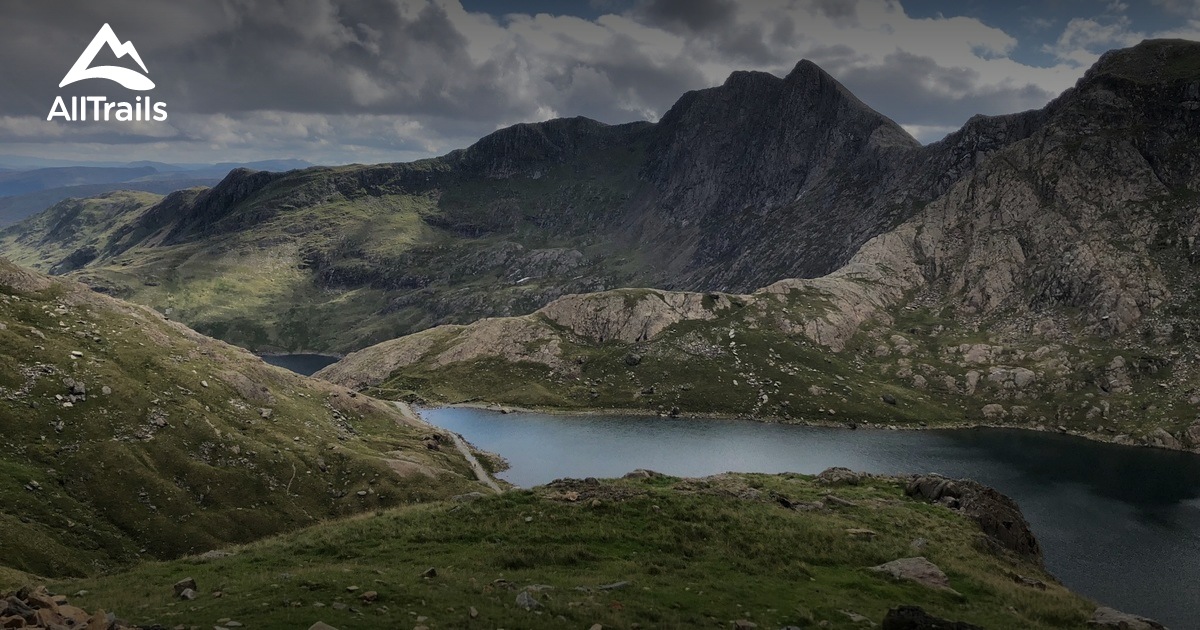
[1193, 436]
[993, 411]
[1105, 617]
[185, 584]
[527, 601]
[917, 570]
[1163, 439]
[915, 618]
[642, 473]
[838, 476]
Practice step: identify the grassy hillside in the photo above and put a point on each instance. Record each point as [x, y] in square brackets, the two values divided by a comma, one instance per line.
[126, 436]
[658, 552]
[333, 259]
[914, 365]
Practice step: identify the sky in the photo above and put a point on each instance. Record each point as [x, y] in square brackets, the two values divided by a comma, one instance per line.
[367, 81]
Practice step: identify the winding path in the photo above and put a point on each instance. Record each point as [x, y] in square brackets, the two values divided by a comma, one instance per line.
[461, 445]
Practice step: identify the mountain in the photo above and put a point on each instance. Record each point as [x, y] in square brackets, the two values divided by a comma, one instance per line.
[753, 181]
[130, 437]
[24, 193]
[24, 182]
[18, 207]
[1051, 286]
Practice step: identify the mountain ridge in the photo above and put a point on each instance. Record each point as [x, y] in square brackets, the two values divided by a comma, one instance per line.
[1050, 286]
[537, 211]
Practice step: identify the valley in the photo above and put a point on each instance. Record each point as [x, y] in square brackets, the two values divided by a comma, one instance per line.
[770, 249]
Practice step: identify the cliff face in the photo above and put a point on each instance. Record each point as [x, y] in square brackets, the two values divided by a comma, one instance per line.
[764, 178]
[1051, 284]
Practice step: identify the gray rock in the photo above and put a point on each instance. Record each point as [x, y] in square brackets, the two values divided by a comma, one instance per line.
[838, 476]
[642, 473]
[527, 601]
[321, 625]
[997, 515]
[1162, 439]
[183, 584]
[917, 570]
[1105, 617]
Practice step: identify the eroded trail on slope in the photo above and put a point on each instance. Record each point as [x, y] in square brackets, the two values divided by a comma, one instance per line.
[460, 444]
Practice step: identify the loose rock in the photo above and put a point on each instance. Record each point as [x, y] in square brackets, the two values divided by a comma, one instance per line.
[916, 569]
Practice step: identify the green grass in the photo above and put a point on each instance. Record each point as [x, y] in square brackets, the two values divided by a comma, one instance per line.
[693, 552]
[178, 456]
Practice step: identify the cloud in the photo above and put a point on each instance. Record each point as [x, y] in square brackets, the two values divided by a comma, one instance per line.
[336, 80]
[1188, 8]
[1084, 39]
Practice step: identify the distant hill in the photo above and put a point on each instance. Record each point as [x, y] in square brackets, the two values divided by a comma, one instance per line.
[23, 182]
[16, 208]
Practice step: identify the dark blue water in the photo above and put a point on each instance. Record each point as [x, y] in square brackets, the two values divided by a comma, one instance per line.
[1118, 524]
[306, 364]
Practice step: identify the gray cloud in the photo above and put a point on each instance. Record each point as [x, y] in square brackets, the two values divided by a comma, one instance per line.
[691, 15]
[920, 93]
[376, 80]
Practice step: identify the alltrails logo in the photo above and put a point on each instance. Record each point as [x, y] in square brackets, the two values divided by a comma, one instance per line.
[99, 107]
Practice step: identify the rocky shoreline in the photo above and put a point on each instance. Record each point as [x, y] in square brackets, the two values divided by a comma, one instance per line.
[1108, 438]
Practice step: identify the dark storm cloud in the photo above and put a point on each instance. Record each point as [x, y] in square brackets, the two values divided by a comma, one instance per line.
[691, 15]
[841, 11]
[300, 55]
[362, 80]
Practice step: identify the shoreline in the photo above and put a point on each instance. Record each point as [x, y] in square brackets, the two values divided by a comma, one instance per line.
[849, 426]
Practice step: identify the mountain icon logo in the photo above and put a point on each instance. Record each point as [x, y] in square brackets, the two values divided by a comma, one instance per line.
[130, 79]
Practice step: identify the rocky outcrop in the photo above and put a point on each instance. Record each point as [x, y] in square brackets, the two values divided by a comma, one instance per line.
[997, 515]
[1112, 619]
[36, 607]
[631, 316]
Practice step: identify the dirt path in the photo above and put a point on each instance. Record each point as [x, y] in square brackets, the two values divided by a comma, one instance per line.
[461, 445]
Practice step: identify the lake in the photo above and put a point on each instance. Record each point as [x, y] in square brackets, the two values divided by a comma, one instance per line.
[1118, 524]
[306, 364]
